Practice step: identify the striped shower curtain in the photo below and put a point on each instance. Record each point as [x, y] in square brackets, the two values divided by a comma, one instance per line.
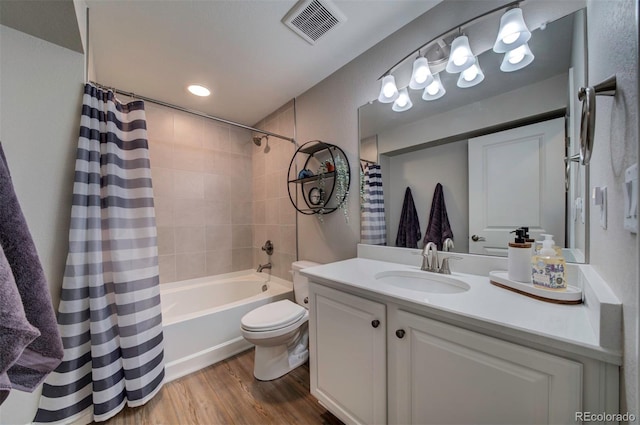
[109, 314]
[373, 228]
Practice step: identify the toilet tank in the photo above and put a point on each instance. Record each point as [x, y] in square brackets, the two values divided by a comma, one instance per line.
[301, 283]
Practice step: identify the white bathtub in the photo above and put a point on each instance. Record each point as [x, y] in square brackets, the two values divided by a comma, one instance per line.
[201, 317]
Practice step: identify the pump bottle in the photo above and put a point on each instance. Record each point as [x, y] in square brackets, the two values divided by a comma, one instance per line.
[548, 268]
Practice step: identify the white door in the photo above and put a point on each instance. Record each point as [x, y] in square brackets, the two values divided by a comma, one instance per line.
[348, 362]
[516, 178]
[441, 374]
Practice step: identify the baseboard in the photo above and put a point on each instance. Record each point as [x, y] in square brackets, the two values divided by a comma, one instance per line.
[194, 362]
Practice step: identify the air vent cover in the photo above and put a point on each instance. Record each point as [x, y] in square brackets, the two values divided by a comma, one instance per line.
[311, 19]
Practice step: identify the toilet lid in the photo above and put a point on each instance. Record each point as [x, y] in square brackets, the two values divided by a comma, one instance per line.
[272, 316]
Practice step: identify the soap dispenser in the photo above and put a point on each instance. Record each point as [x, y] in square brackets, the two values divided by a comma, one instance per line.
[548, 268]
[519, 258]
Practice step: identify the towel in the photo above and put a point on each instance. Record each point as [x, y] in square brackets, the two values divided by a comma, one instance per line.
[44, 353]
[439, 228]
[16, 333]
[409, 227]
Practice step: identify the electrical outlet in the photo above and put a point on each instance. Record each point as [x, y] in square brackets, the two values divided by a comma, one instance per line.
[630, 191]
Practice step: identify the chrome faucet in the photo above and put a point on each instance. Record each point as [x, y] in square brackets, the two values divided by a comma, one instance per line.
[263, 266]
[430, 258]
[447, 245]
[430, 261]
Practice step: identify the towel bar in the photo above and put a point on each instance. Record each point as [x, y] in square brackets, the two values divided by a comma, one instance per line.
[588, 120]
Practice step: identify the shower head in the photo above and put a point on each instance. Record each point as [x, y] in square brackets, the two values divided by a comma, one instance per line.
[257, 140]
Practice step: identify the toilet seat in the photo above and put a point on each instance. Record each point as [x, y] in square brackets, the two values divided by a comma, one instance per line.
[273, 316]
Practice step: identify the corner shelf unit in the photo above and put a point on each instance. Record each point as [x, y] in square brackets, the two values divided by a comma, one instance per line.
[317, 194]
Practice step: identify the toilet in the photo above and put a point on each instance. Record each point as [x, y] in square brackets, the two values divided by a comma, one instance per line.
[279, 330]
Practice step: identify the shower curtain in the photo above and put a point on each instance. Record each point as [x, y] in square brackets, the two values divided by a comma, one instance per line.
[109, 315]
[373, 228]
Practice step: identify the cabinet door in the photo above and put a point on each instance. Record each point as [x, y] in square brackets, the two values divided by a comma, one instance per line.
[348, 355]
[441, 374]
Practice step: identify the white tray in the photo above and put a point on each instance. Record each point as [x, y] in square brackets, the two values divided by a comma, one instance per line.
[573, 294]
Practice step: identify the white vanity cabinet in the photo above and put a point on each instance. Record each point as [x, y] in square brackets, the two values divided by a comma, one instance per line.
[348, 362]
[441, 374]
[376, 360]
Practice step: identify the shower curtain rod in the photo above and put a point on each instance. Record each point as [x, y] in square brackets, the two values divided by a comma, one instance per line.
[191, 111]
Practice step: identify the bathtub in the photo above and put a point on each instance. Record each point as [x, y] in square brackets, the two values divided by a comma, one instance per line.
[201, 317]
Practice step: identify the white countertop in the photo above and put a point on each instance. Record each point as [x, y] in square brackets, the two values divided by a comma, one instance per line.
[484, 305]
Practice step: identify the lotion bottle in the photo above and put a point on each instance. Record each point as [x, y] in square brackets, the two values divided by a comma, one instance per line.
[548, 268]
[519, 258]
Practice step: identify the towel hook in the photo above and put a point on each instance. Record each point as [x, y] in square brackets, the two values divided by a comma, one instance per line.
[588, 120]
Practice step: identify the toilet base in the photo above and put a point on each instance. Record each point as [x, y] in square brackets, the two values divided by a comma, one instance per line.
[272, 362]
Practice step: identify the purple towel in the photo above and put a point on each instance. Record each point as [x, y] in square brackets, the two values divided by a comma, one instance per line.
[15, 331]
[439, 228]
[409, 227]
[44, 354]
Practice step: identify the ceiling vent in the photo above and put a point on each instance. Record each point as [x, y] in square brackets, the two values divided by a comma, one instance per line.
[311, 19]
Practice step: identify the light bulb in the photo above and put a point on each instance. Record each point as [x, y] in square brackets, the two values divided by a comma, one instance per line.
[511, 29]
[403, 102]
[459, 56]
[433, 88]
[517, 55]
[389, 89]
[470, 73]
[421, 75]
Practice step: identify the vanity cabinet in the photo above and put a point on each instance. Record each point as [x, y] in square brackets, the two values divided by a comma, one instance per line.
[348, 362]
[441, 374]
[375, 362]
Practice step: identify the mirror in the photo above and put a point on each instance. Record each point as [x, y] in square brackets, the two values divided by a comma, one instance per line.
[438, 142]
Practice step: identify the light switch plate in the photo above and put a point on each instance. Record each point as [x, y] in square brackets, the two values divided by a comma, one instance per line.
[630, 191]
[599, 196]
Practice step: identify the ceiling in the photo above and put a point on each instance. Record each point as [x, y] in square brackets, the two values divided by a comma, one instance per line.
[239, 49]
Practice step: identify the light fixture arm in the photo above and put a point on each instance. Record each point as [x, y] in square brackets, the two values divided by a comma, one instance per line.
[458, 27]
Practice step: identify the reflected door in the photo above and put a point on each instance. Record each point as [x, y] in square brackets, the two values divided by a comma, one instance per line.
[516, 179]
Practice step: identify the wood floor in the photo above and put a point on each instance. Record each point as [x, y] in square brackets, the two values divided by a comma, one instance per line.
[227, 393]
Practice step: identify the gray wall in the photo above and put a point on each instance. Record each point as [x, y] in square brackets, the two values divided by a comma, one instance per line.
[613, 49]
[328, 111]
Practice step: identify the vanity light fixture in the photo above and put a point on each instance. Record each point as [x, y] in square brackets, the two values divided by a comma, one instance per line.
[199, 90]
[403, 102]
[517, 59]
[512, 39]
[434, 90]
[471, 76]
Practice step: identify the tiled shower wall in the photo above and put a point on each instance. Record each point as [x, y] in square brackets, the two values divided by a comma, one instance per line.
[274, 216]
[202, 182]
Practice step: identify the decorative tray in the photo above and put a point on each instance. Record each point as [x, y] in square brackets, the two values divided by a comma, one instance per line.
[572, 295]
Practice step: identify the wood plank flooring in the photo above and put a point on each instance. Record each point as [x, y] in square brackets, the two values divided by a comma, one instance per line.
[227, 393]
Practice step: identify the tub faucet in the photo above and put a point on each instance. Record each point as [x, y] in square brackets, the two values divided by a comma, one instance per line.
[263, 266]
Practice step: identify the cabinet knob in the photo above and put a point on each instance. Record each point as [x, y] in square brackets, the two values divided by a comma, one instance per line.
[375, 323]
[400, 333]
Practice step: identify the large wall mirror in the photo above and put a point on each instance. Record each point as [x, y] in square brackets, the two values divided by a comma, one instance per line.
[483, 145]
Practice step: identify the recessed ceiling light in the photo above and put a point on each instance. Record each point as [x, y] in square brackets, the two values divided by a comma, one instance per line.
[199, 90]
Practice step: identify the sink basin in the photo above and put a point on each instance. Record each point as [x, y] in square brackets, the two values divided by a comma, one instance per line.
[422, 281]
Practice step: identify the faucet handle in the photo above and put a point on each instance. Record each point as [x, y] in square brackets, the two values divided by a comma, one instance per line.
[444, 267]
